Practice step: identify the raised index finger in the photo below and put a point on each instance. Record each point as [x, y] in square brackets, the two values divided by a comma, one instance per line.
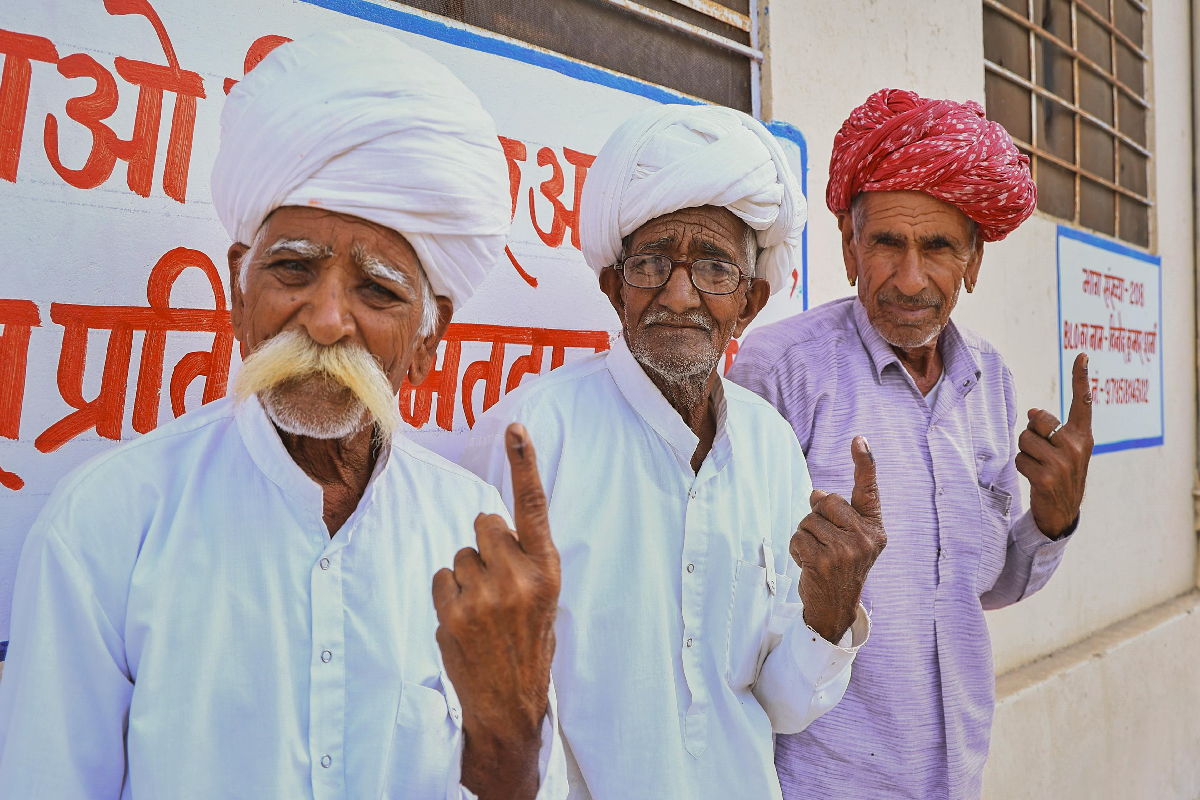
[529, 499]
[1080, 416]
[865, 497]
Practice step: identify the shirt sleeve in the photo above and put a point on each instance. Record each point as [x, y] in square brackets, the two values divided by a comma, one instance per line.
[552, 761]
[803, 675]
[65, 694]
[780, 376]
[485, 455]
[1031, 557]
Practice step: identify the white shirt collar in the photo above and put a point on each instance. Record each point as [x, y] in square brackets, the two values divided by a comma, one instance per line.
[272, 458]
[650, 404]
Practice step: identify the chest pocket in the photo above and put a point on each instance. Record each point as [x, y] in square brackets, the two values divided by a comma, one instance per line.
[423, 743]
[995, 507]
[756, 592]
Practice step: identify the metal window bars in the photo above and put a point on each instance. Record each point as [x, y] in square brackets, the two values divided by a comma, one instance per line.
[1127, 185]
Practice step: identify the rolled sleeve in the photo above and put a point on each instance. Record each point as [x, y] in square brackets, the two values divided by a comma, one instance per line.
[1030, 562]
[805, 676]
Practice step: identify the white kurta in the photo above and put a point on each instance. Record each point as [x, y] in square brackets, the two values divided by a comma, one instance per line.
[680, 642]
[183, 626]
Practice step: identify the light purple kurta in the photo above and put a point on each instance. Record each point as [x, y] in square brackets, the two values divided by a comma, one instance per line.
[916, 719]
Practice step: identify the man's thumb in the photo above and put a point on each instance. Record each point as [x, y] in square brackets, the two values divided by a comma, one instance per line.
[865, 498]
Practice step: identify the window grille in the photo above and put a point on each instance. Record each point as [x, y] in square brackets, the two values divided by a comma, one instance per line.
[1067, 78]
[704, 48]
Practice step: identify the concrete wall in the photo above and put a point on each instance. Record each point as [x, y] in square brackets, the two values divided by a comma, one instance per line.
[1136, 548]
[1114, 716]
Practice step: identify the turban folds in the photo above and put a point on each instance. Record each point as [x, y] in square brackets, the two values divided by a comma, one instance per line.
[898, 141]
[359, 123]
[672, 157]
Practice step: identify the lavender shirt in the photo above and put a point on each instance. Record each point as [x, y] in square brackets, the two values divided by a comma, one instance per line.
[916, 718]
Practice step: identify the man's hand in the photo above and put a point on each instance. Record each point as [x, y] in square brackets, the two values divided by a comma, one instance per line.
[835, 547]
[1055, 457]
[496, 633]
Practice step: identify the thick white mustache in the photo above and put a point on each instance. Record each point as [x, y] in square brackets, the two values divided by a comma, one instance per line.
[294, 355]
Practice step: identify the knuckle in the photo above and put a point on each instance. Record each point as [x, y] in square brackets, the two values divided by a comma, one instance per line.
[532, 498]
[452, 618]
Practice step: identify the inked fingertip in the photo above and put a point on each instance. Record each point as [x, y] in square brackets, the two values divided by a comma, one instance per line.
[517, 437]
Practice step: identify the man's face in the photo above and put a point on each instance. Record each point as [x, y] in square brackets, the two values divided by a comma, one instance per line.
[910, 255]
[676, 330]
[339, 281]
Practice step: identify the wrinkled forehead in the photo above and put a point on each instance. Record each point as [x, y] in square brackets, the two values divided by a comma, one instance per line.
[909, 213]
[708, 229]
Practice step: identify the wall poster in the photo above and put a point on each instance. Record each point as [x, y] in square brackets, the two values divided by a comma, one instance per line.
[114, 312]
[1110, 307]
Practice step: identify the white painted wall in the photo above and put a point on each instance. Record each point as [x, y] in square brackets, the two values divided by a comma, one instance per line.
[1136, 547]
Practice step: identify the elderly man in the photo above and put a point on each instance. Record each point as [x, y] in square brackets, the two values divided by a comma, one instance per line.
[238, 604]
[918, 186]
[686, 633]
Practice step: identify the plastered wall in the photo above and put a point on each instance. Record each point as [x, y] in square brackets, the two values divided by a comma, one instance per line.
[1136, 547]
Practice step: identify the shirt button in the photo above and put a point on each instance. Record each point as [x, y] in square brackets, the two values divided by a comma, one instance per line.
[324, 563]
[692, 494]
[456, 715]
[326, 761]
[691, 567]
[941, 491]
[689, 642]
[326, 655]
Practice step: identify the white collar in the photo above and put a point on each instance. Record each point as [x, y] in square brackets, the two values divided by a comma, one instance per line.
[650, 404]
[274, 461]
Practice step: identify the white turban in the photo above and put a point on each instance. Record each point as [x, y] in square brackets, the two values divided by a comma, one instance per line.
[675, 156]
[359, 123]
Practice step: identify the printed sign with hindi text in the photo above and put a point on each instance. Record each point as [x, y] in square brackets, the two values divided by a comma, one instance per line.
[114, 300]
[1110, 307]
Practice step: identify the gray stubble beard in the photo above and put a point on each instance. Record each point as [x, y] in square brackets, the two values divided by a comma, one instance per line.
[684, 382]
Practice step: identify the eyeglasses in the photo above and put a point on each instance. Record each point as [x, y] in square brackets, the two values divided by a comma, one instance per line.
[708, 275]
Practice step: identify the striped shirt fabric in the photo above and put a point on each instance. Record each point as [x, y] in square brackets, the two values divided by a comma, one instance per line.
[916, 719]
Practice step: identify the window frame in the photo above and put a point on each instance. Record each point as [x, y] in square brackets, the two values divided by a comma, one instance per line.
[1079, 62]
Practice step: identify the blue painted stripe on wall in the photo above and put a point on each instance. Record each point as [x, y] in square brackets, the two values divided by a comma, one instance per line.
[3, 650]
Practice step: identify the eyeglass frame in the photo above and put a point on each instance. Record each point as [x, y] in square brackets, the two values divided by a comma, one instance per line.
[620, 267]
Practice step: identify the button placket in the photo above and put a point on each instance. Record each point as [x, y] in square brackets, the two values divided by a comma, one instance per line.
[695, 546]
[327, 683]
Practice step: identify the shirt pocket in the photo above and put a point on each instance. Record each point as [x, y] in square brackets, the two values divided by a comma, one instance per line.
[995, 508]
[754, 600]
[423, 744]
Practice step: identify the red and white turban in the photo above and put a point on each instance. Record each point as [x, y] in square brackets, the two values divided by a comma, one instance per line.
[899, 141]
[360, 123]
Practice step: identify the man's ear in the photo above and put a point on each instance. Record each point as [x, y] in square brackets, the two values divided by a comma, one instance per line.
[846, 226]
[976, 261]
[425, 354]
[756, 297]
[612, 285]
[237, 304]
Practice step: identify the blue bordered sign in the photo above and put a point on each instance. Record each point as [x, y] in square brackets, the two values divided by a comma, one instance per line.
[1110, 307]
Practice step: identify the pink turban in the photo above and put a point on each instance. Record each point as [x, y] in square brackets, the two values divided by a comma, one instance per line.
[899, 141]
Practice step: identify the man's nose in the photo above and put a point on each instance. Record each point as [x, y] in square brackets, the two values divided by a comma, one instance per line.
[327, 316]
[909, 277]
[678, 294]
